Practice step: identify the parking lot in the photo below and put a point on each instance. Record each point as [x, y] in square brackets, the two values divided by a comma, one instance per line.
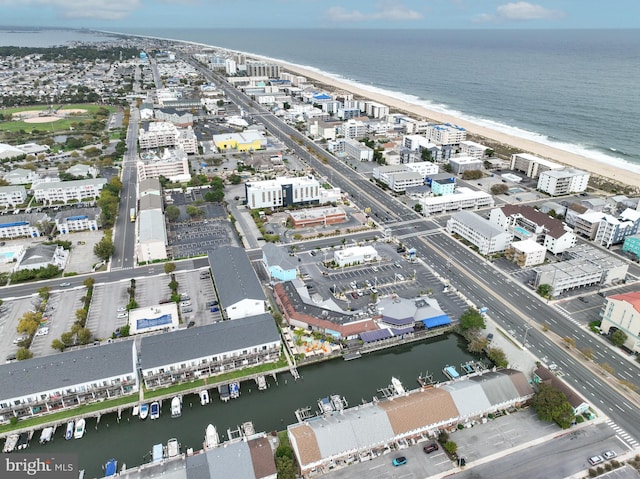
[10, 313]
[194, 238]
[106, 300]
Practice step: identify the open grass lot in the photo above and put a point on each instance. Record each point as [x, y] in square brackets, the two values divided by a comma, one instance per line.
[61, 124]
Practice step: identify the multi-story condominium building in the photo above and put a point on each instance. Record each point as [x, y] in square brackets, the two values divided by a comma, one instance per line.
[416, 142]
[425, 168]
[632, 245]
[460, 164]
[230, 67]
[563, 181]
[348, 113]
[77, 219]
[446, 134]
[532, 165]
[357, 150]
[20, 176]
[263, 69]
[526, 222]
[582, 265]
[480, 232]
[382, 173]
[12, 196]
[399, 182]
[354, 129]
[174, 165]
[323, 129]
[613, 230]
[283, 191]
[248, 140]
[622, 312]
[463, 198]
[526, 253]
[473, 149]
[20, 226]
[68, 191]
[441, 184]
[375, 110]
[157, 134]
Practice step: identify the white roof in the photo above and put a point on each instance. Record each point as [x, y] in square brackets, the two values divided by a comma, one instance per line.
[528, 246]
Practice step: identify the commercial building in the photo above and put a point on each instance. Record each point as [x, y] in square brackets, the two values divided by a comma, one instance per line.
[189, 354]
[473, 149]
[283, 191]
[317, 217]
[355, 255]
[47, 384]
[460, 164]
[161, 317]
[488, 238]
[68, 191]
[239, 290]
[581, 266]
[77, 219]
[12, 196]
[248, 140]
[532, 165]
[526, 253]
[622, 312]
[563, 181]
[173, 165]
[399, 316]
[177, 117]
[463, 198]
[279, 263]
[23, 225]
[152, 236]
[446, 134]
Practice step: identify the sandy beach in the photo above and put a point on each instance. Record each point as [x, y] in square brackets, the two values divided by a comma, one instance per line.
[570, 159]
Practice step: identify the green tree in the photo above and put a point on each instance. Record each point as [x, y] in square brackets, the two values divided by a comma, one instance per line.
[84, 336]
[214, 196]
[44, 292]
[67, 338]
[23, 353]
[472, 175]
[551, 405]
[472, 319]
[619, 337]
[169, 268]
[29, 322]
[81, 314]
[104, 249]
[57, 344]
[451, 447]
[417, 208]
[89, 282]
[194, 211]
[285, 468]
[499, 189]
[235, 179]
[172, 212]
[544, 290]
[498, 357]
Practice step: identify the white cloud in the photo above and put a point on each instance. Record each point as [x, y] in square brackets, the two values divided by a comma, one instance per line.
[98, 9]
[519, 11]
[385, 10]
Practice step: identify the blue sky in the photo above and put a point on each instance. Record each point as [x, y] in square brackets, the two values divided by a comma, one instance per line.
[322, 13]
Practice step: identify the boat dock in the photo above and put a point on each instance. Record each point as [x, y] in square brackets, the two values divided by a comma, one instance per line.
[426, 379]
[451, 372]
[351, 356]
[303, 414]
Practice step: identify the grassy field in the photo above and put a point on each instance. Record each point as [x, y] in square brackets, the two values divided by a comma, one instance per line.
[60, 125]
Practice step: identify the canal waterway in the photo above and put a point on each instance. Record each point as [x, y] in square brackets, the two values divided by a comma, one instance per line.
[130, 440]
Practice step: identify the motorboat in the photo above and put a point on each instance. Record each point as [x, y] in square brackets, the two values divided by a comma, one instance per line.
[176, 406]
[211, 438]
[157, 453]
[80, 429]
[154, 412]
[69, 432]
[23, 440]
[11, 443]
[204, 397]
[173, 447]
[110, 468]
[46, 435]
[143, 411]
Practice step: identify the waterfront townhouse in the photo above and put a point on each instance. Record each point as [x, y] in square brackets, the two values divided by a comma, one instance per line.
[446, 134]
[525, 222]
[68, 191]
[77, 219]
[248, 140]
[173, 164]
[582, 265]
[563, 181]
[336, 440]
[237, 285]
[473, 149]
[12, 196]
[460, 164]
[463, 198]
[22, 225]
[46, 384]
[194, 353]
[283, 191]
[532, 165]
[480, 232]
[622, 312]
[280, 264]
[20, 176]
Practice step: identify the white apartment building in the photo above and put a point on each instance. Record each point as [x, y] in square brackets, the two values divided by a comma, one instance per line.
[381, 173]
[423, 167]
[446, 134]
[531, 165]
[77, 219]
[526, 253]
[68, 191]
[12, 196]
[489, 239]
[173, 164]
[157, 134]
[230, 67]
[622, 311]
[399, 182]
[20, 176]
[376, 110]
[354, 129]
[21, 226]
[461, 164]
[282, 191]
[463, 198]
[563, 181]
[357, 150]
[472, 149]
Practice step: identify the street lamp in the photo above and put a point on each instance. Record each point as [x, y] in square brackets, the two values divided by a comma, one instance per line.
[526, 331]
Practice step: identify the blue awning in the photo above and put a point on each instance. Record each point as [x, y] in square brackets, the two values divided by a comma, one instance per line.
[437, 321]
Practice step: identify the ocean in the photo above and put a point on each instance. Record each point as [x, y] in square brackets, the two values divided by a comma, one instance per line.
[572, 89]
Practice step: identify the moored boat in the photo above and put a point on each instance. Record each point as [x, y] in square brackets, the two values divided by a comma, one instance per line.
[204, 397]
[397, 386]
[176, 407]
[80, 428]
[46, 435]
[23, 440]
[110, 468]
[143, 411]
[11, 443]
[154, 412]
[262, 383]
[211, 438]
[234, 390]
[173, 447]
[69, 432]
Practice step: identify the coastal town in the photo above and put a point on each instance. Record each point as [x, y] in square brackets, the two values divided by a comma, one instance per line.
[183, 224]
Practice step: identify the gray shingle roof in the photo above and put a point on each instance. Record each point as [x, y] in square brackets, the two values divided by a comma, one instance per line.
[66, 369]
[478, 223]
[234, 276]
[277, 256]
[193, 343]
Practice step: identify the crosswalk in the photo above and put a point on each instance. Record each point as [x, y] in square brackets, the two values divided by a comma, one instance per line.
[624, 435]
[566, 315]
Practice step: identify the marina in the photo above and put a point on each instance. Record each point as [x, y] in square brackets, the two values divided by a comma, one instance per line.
[451, 372]
[46, 435]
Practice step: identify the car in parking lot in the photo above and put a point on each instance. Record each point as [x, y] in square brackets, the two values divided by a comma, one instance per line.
[42, 331]
[215, 309]
[185, 303]
[609, 454]
[399, 461]
[121, 309]
[64, 285]
[375, 269]
[191, 324]
[211, 303]
[583, 299]
[11, 358]
[397, 265]
[184, 297]
[20, 338]
[312, 253]
[594, 460]
[430, 448]
[121, 315]
[187, 310]
[354, 295]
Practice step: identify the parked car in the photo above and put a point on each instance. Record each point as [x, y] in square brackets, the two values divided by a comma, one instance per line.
[609, 454]
[430, 448]
[42, 331]
[187, 310]
[375, 269]
[185, 297]
[211, 303]
[185, 303]
[11, 358]
[583, 299]
[121, 315]
[594, 460]
[191, 324]
[122, 309]
[20, 338]
[399, 461]
[215, 309]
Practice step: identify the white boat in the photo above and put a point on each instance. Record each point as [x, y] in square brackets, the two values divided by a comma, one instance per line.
[397, 386]
[154, 412]
[135, 411]
[262, 383]
[69, 432]
[176, 407]
[46, 435]
[80, 429]
[211, 438]
[144, 411]
[11, 443]
[173, 448]
[204, 397]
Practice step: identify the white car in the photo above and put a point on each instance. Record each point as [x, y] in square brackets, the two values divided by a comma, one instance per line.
[64, 285]
[609, 454]
[185, 303]
[121, 315]
[42, 331]
[593, 460]
[19, 339]
[122, 310]
[375, 269]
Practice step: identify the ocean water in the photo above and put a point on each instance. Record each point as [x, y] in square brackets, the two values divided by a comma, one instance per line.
[574, 89]
[43, 37]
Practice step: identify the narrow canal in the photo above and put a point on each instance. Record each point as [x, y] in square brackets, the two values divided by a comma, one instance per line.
[130, 440]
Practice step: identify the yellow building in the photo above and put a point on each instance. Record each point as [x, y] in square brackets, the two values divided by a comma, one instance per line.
[245, 141]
